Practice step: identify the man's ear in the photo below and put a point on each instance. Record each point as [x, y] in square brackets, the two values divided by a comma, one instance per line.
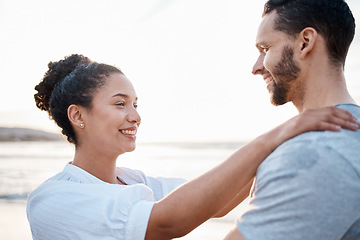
[75, 116]
[307, 39]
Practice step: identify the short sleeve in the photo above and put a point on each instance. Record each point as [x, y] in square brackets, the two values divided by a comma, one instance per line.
[138, 220]
[299, 189]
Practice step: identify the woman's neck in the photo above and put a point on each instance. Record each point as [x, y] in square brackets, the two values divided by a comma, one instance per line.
[100, 166]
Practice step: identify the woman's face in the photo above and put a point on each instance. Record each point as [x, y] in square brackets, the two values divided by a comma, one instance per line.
[112, 122]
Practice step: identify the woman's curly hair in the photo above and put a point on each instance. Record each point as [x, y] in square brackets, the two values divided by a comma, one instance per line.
[73, 80]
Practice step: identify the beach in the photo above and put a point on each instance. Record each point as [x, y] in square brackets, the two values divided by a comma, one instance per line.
[13, 222]
[25, 165]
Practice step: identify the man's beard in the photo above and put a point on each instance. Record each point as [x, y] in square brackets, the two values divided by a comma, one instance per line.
[285, 72]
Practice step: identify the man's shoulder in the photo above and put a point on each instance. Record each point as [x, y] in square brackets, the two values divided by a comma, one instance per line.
[323, 149]
[299, 153]
[318, 142]
[312, 142]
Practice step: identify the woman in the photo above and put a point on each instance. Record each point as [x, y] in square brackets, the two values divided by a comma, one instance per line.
[95, 106]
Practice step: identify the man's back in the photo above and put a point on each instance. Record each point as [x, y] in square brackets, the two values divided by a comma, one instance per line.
[309, 188]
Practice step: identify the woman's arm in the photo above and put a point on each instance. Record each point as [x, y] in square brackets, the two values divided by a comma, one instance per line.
[202, 198]
[244, 193]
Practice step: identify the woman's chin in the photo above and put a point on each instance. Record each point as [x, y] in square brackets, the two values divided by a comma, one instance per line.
[131, 148]
[126, 147]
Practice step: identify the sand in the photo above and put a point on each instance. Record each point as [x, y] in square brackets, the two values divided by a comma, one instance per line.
[13, 221]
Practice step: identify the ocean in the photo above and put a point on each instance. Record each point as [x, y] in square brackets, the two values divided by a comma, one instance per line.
[25, 165]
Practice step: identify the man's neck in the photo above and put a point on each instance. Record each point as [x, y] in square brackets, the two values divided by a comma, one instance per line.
[324, 90]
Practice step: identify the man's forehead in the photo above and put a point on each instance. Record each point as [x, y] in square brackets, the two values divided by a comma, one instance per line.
[266, 28]
[267, 22]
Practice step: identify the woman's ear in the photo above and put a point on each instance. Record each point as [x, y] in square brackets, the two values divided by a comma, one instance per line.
[307, 40]
[75, 116]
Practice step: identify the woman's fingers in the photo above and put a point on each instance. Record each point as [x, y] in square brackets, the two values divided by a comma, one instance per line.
[344, 119]
[329, 118]
[322, 119]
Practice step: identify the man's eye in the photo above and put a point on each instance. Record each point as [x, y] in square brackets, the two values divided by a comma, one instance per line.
[135, 106]
[120, 104]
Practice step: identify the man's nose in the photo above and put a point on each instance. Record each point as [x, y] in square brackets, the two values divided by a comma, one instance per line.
[258, 67]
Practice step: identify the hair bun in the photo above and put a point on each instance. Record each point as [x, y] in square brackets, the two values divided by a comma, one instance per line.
[56, 73]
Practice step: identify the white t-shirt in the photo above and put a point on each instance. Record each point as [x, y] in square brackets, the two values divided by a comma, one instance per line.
[76, 205]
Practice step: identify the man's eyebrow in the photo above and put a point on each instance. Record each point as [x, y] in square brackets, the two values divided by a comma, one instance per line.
[122, 95]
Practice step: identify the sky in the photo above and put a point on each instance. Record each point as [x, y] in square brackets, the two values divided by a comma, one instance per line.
[190, 62]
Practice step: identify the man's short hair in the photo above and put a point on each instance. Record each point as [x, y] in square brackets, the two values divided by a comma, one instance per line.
[332, 19]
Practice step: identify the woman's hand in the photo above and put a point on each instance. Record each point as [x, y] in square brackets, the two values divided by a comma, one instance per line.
[327, 118]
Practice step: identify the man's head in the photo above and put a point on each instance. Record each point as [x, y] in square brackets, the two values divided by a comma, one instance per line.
[293, 35]
[330, 18]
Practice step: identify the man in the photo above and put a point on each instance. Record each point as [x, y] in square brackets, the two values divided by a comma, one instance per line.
[309, 188]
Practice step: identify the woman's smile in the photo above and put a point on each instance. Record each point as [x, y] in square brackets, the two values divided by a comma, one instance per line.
[129, 132]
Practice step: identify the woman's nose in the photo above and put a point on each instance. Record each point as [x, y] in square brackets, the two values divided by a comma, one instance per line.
[134, 117]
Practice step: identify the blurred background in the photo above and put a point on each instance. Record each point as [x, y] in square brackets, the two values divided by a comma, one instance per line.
[190, 62]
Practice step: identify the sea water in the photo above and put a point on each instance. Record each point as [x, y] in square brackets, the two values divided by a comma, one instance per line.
[25, 165]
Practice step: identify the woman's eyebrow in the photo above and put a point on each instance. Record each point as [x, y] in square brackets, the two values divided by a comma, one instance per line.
[123, 95]
[120, 95]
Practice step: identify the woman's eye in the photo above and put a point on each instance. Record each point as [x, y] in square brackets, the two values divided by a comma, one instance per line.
[135, 106]
[120, 104]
